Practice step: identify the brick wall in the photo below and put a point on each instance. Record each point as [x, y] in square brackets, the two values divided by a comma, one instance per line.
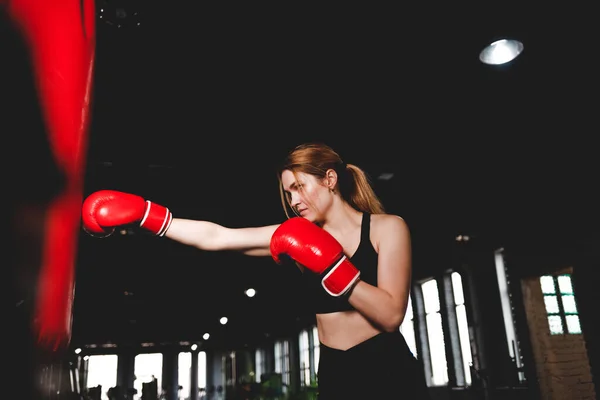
[560, 360]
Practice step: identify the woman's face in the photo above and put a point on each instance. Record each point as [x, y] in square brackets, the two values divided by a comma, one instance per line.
[307, 195]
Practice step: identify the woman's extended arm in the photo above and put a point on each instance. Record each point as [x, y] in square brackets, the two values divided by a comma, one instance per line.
[104, 210]
[209, 236]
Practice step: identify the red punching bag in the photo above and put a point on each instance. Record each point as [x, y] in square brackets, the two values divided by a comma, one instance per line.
[60, 36]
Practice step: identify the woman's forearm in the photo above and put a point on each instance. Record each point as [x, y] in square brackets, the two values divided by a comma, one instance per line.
[378, 306]
[200, 234]
[209, 236]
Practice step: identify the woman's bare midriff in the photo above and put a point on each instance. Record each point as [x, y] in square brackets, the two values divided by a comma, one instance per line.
[343, 330]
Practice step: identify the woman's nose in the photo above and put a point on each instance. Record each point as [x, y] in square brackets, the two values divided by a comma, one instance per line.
[295, 200]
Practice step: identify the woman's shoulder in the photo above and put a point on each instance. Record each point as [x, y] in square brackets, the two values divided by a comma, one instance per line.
[387, 223]
[385, 219]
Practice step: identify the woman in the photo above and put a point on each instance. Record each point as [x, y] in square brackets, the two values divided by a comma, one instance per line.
[355, 258]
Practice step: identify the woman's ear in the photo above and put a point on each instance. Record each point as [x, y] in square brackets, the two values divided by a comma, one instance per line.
[331, 179]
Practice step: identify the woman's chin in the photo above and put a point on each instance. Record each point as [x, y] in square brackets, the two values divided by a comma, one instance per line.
[307, 215]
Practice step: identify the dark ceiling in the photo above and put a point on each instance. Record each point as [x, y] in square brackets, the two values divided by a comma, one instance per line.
[193, 108]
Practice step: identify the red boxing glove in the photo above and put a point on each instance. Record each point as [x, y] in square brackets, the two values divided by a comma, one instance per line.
[104, 210]
[317, 250]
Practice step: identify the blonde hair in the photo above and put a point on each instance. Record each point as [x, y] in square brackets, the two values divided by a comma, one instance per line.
[354, 185]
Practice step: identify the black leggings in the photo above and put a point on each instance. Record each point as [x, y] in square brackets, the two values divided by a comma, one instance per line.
[381, 367]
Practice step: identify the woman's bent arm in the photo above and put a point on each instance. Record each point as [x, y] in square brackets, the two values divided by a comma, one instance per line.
[385, 304]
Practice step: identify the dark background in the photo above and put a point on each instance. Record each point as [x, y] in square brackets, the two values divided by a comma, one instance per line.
[193, 108]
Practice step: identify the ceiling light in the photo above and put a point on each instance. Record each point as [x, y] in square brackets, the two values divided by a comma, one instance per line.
[462, 238]
[250, 292]
[223, 320]
[206, 336]
[501, 51]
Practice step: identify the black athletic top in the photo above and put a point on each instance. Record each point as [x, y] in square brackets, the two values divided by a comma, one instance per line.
[365, 259]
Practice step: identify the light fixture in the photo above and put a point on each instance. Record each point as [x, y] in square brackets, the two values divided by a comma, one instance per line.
[501, 51]
[462, 238]
[250, 292]
[223, 320]
[385, 176]
[206, 336]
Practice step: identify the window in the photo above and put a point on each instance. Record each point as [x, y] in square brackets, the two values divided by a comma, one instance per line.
[463, 326]
[184, 373]
[148, 373]
[260, 358]
[282, 361]
[102, 371]
[408, 328]
[561, 308]
[435, 333]
[437, 316]
[316, 347]
[202, 370]
[304, 347]
[309, 355]
[509, 321]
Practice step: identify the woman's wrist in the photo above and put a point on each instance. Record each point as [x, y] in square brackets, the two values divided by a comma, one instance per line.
[351, 289]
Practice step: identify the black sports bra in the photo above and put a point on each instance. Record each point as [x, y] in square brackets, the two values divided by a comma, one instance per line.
[365, 259]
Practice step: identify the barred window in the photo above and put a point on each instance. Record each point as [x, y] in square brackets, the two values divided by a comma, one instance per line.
[561, 308]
